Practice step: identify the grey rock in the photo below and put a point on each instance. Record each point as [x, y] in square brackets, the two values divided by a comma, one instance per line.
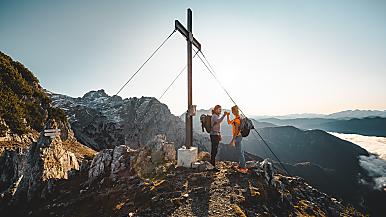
[101, 164]
[203, 166]
[154, 157]
[120, 165]
[114, 163]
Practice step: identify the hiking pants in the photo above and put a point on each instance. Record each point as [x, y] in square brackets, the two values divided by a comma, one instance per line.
[240, 151]
[215, 140]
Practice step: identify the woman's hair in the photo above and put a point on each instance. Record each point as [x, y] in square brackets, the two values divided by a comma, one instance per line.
[235, 110]
[215, 108]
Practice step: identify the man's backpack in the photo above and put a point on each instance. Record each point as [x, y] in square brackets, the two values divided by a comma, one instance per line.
[245, 126]
[206, 122]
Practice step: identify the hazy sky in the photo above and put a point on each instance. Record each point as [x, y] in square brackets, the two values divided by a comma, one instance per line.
[274, 57]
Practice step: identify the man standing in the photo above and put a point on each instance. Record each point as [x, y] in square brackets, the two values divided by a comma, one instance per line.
[215, 133]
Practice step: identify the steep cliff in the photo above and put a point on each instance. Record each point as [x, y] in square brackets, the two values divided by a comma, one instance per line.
[29, 160]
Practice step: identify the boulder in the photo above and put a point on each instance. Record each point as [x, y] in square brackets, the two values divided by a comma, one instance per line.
[114, 163]
[203, 166]
[155, 156]
[120, 165]
[161, 150]
[266, 169]
[101, 164]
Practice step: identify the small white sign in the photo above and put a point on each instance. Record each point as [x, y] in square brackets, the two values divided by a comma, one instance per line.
[51, 132]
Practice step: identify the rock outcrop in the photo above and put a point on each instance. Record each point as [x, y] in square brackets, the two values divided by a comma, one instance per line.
[47, 161]
[31, 174]
[114, 163]
[145, 182]
[13, 164]
[195, 192]
[155, 157]
[123, 161]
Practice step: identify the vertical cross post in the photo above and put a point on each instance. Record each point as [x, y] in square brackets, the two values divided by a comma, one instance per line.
[189, 117]
[191, 108]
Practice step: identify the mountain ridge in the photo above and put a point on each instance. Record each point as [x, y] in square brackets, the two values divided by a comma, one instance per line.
[345, 114]
[102, 121]
[369, 126]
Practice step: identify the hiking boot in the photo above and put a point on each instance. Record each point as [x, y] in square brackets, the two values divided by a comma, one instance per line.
[215, 169]
[243, 170]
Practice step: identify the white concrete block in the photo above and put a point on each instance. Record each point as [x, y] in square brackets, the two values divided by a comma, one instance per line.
[186, 157]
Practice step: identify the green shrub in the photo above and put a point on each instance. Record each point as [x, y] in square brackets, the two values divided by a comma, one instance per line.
[23, 103]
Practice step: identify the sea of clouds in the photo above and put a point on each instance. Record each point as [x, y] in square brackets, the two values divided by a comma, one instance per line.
[375, 164]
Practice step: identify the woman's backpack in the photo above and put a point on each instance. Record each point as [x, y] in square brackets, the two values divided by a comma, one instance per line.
[245, 126]
[206, 122]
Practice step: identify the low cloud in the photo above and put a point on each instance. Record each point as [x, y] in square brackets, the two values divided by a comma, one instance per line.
[375, 164]
[373, 144]
[376, 168]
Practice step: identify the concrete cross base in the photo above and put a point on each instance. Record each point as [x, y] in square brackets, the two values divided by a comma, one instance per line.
[186, 157]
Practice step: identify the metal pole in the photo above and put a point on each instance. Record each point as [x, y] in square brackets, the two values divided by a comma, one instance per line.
[189, 121]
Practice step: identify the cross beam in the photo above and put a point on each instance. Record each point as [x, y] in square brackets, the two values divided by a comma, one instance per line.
[185, 33]
[188, 34]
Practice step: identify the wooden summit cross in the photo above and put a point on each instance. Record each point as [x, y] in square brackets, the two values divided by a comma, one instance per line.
[191, 108]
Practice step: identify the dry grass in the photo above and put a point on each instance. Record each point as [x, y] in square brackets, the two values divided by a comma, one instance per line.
[119, 206]
[81, 151]
[238, 210]
[12, 145]
[156, 184]
[254, 191]
[304, 209]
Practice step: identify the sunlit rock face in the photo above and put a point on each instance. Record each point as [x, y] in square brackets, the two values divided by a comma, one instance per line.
[30, 173]
[48, 160]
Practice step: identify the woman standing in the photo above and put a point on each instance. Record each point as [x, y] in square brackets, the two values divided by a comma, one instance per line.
[236, 137]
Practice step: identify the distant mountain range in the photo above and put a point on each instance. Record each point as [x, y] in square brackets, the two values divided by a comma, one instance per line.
[369, 126]
[348, 114]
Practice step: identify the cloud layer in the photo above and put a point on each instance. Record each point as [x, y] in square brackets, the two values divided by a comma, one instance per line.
[375, 164]
[376, 168]
[373, 144]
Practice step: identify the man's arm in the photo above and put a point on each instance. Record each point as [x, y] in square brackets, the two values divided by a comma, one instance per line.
[218, 120]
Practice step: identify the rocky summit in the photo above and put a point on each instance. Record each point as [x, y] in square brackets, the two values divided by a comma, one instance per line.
[113, 184]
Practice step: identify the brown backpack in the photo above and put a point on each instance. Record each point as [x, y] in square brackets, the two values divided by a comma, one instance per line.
[206, 122]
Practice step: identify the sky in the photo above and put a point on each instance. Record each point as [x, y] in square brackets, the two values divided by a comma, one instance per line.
[274, 57]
